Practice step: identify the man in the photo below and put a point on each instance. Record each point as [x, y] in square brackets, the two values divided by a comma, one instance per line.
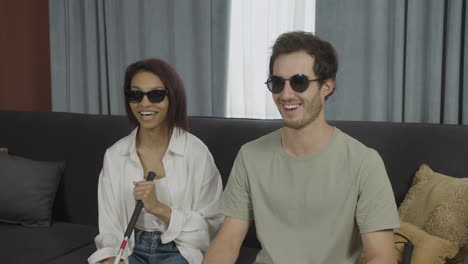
[316, 194]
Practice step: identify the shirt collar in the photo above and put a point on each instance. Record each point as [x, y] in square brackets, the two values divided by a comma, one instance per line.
[176, 143]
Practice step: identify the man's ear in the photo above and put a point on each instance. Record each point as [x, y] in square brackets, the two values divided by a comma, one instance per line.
[327, 87]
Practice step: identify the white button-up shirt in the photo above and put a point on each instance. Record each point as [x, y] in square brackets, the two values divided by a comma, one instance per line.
[194, 186]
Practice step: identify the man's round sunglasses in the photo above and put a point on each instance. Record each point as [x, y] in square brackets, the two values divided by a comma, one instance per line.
[154, 96]
[298, 82]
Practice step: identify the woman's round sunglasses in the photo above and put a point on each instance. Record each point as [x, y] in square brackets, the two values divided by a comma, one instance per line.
[154, 96]
[298, 82]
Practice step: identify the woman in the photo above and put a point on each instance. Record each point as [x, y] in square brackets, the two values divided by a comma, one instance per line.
[180, 214]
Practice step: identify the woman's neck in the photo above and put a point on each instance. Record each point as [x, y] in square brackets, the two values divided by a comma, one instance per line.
[154, 139]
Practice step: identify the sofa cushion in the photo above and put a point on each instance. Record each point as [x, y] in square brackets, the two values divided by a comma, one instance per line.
[27, 189]
[247, 255]
[44, 244]
[77, 256]
[438, 204]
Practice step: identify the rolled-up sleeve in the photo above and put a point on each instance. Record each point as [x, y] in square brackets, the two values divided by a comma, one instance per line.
[110, 230]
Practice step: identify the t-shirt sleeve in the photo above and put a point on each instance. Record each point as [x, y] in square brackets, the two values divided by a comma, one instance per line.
[376, 208]
[236, 200]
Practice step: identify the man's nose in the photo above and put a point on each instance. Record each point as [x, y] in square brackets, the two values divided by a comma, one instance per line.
[288, 91]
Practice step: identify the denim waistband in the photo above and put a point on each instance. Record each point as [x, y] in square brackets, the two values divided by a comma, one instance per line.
[150, 249]
[141, 235]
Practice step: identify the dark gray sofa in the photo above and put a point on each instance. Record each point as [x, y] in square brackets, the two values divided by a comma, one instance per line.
[81, 139]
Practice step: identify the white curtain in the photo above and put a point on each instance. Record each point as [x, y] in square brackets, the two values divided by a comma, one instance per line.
[254, 26]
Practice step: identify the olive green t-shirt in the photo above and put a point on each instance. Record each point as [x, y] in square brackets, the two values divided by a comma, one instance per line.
[310, 209]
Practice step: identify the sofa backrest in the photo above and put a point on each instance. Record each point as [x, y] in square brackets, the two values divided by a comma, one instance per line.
[81, 140]
[403, 146]
[78, 139]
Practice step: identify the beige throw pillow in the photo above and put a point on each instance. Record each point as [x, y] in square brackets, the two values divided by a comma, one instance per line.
[427, 248]
[438, 204]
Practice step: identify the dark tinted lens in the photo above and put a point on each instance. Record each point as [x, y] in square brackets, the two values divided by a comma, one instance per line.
[156, 96]
[276, 84]
[299, 82]
[134, 96]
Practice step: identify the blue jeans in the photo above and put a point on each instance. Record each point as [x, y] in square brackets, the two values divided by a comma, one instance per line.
[150, 250]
